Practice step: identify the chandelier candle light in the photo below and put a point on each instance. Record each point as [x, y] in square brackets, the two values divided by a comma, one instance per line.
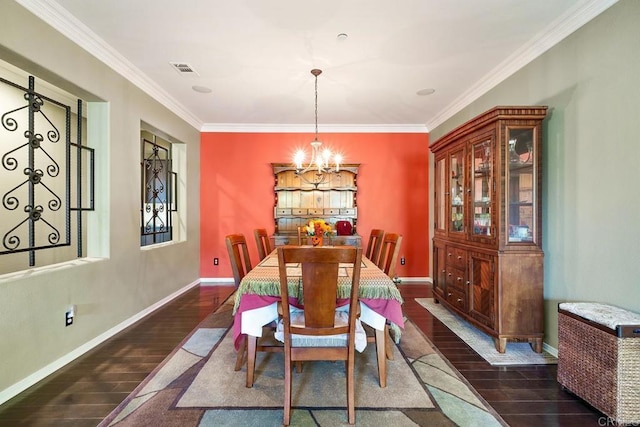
[319, 158]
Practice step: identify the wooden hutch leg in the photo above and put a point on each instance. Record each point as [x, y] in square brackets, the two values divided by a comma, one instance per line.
[501, 344]
[536, 344]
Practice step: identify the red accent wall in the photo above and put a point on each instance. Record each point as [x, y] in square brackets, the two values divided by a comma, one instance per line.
[236, 190]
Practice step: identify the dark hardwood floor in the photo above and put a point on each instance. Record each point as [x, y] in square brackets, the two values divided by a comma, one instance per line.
[523, 395]
[86, 390]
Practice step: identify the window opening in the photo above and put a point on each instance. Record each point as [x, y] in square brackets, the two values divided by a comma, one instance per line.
[159, 190]
[46, 173]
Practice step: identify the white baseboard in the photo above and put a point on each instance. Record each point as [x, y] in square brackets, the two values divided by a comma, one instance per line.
[41, 374]
[216, 281]
[551, 350]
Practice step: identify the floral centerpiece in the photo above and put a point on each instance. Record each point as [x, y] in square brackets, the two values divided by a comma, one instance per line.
[317, 229]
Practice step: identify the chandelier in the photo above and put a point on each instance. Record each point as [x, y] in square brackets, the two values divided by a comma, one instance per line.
[320, 161]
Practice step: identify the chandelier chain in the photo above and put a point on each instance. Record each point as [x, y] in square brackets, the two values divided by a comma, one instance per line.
[320, 159]
[316, 112]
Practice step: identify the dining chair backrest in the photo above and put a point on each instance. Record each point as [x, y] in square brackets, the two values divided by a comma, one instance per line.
[374, 245]
[238, 256]
[389, 253]
[319, 280]
[262, 242]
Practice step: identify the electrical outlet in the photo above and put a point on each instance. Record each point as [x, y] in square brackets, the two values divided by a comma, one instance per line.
[69, 315]
[68, 318]
[402, 262]
[215, 261]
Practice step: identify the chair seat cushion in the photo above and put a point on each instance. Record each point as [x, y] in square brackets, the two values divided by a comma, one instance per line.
[340, 340]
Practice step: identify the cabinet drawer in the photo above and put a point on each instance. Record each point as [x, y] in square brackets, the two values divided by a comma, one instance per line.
[316, 211]
[457, 299]
[347, 211]
[455, 278]
[456, 257]
[299, 211]
[282, 211]
[284, 240]
[332, 211]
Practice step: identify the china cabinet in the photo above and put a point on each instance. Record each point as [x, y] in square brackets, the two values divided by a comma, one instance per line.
[487, 244]
[300, 198]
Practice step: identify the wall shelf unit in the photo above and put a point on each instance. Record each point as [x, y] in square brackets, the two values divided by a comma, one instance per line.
[299, 199]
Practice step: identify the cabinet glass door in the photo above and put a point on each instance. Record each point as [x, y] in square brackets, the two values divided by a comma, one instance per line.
[521, 179]
[441, 186]
[482, 188]
[457, 191]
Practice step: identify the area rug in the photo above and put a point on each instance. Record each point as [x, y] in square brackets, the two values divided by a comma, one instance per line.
[197, 386]
[518, 353]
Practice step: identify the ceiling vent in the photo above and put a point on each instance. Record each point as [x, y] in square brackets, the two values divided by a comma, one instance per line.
[183, 68]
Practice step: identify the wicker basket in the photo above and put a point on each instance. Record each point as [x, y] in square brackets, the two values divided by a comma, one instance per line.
[601, 365]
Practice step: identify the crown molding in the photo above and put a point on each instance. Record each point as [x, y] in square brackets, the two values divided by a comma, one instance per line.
[302, 128]
[62, 21]
[553, 34]
[56, 16]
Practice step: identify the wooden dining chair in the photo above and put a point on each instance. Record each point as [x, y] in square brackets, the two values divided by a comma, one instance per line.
[241, 265]
[262, 242]
[387, 263]
[238, 256]
[319, 282]
[374, 245]
[389, 253]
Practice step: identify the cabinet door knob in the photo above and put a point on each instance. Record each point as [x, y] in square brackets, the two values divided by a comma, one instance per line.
[459, 257]
[459, 279]
[450, 274]
[449, 294]
[449, 254]
[459, 300]
[468, 283]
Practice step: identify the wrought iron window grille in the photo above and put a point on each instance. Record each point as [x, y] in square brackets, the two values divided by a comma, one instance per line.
[39, 165]
[159, 193]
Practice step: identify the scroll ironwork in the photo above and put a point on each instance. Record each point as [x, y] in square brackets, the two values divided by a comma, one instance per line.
[159, 188]
[36, 168]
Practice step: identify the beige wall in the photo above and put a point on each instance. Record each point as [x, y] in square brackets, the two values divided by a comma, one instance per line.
[122, 280]
[591, 196]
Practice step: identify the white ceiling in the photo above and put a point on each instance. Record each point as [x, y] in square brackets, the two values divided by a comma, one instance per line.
[256, 55]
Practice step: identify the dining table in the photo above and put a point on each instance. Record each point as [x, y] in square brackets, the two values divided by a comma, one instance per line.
[258, 293]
